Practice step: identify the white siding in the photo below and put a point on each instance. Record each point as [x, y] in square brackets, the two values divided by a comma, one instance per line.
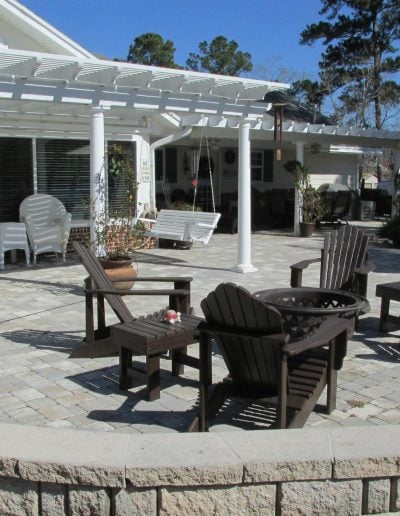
[22, 29]
[329, 168]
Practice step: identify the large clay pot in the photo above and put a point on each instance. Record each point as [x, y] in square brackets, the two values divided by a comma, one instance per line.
[115, 269]
[307, 229]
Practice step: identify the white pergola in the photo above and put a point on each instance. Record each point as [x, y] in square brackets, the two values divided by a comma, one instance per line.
[71, 97]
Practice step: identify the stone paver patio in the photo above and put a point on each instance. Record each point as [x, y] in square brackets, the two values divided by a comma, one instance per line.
[42, 321]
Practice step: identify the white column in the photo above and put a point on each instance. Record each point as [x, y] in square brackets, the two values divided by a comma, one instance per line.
[244, 201]
[299, 157]
[97, 176]
[145, 192]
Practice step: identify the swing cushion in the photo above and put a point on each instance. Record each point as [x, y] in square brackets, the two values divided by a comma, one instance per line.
[189, 226]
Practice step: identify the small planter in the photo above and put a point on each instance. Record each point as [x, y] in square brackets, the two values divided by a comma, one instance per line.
[116, 269]
[307, 229]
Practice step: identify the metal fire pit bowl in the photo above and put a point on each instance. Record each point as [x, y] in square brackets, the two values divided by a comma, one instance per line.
[303, 309]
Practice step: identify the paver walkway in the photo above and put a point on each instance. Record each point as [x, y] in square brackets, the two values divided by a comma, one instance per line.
[42, 320]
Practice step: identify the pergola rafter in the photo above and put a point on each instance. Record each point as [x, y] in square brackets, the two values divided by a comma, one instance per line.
[64, 89]
[30, 65]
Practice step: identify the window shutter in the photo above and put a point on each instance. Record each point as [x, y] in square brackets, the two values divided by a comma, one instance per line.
[268, 166]
[16, 176]
[171, 164]
[159, 162]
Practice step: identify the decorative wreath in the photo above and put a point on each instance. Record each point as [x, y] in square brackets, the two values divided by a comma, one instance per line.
[230, 157]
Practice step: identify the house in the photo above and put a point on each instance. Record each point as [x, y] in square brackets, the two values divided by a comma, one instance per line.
[61, 107]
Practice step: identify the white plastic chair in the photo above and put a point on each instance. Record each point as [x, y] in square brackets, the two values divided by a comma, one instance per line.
[47, 223]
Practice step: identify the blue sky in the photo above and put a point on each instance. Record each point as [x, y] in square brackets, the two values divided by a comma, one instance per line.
[268, 29]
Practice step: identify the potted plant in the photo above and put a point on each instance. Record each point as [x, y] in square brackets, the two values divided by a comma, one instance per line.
[118, 234]
[311, 205]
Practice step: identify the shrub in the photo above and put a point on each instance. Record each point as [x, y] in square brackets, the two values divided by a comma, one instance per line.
[391, 230]
[311, 205]
[184, 206]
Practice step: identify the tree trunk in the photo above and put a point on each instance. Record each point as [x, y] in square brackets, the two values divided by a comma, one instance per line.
[376, 78]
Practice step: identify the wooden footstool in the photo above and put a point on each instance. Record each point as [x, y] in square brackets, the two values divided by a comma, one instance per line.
[388, 292]
[152, 337]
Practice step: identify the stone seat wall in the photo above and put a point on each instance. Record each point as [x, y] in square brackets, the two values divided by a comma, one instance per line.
[340, 470]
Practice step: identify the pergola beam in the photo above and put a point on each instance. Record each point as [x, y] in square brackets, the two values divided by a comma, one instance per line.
[29, 65]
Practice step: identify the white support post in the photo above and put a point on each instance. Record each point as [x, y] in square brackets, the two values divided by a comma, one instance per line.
[97, 176]
[300, 158]
[145, 194]
[244, 201]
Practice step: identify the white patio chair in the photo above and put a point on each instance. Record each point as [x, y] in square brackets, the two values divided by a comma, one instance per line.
[47, 223]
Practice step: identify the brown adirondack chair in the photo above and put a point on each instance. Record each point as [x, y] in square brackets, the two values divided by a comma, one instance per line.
[263, 363]
[97, 341]
[344, 262]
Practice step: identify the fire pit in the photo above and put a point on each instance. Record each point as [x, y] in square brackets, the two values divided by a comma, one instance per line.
[303, 309]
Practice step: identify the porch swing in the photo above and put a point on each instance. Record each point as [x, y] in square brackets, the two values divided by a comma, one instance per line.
[188, 226]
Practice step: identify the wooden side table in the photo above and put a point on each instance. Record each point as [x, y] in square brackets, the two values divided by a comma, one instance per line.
[388, 292]
[13, 236]
[152, 337]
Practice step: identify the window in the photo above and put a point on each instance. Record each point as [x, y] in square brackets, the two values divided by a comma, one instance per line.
[256, 166]
[262, 166]
[16, 176]
[63, 170]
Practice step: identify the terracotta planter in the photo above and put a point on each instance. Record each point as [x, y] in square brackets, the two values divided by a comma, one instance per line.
[116, 269]
[307, 229]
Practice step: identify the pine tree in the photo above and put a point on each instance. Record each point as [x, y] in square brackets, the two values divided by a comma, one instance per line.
[151, 49]
[221, 57]
[360, 55]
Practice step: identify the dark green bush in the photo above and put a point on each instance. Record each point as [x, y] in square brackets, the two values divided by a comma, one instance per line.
[184, 206]
[391, 230]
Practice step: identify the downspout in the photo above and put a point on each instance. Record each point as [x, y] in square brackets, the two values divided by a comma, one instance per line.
[155, 145]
